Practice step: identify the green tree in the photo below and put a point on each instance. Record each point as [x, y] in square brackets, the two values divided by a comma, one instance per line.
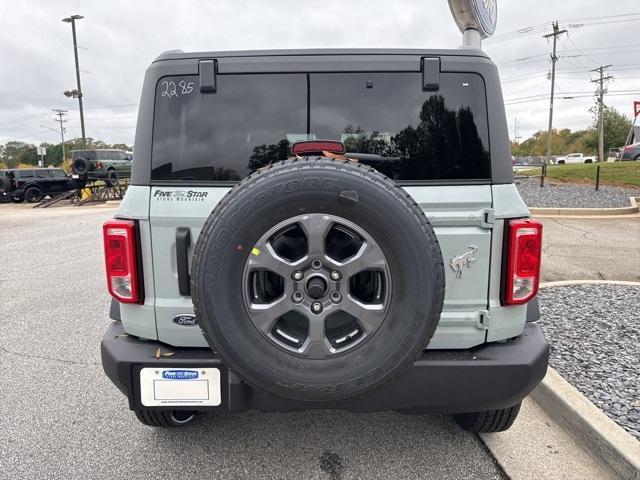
[616, 129]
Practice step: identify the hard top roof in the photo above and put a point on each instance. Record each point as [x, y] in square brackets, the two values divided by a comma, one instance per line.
[460, 52]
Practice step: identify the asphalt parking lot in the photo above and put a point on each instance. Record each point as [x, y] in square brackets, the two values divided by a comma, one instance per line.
[61, 418]
[591, 249]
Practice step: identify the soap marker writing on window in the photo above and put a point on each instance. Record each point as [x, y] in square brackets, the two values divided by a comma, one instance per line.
[170, 89]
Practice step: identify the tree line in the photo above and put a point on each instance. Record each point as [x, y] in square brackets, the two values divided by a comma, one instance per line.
[564, 141]
[15, 153]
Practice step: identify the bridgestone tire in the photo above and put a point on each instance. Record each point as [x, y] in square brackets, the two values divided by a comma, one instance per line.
[5, 184]
[165, 418]
[80, 166]
[351, 191]
[33, 195]
[488, 422]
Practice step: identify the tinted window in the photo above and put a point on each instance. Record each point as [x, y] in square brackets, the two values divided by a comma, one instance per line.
[24, 173]
[215, 136]
[58, 173]
[252, 120]
[43, 174]
[88, 154]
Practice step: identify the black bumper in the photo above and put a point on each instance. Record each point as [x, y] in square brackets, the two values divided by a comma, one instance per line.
[489, 377]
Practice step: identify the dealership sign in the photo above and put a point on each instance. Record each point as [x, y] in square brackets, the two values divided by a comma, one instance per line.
[480, 15]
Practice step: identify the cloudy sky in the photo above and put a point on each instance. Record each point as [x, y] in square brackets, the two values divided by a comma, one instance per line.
[119, 38]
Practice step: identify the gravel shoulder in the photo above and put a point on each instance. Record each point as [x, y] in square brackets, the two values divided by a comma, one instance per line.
[573, 195]
[594, 333]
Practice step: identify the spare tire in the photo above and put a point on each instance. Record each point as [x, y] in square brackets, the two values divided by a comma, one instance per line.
[317, 279]
[80, 166]
[5, 184]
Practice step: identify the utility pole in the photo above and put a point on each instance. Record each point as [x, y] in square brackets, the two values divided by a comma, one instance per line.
[60, 114]
[72, 20]
[554, 58]
[516, 137]
[601, 91]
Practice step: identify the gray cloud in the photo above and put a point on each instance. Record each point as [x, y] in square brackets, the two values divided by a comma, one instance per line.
[120, 38]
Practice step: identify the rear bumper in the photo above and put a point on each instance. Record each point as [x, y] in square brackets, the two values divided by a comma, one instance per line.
[485, 378]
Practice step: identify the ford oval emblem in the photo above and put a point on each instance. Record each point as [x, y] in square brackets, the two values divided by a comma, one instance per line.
[185, 320]
[180, 374]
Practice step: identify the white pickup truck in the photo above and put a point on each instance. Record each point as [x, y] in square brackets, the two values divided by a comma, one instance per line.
[576, 158]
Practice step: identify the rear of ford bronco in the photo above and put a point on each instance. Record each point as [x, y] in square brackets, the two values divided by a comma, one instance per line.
[323, 229]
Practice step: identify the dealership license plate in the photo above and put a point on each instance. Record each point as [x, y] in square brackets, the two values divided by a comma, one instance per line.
[180, 387]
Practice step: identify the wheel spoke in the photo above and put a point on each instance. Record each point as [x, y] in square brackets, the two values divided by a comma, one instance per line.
[264, 316]
[316, 346]
[369, 256]
[262, 257]
[370, 317]
[315, 227]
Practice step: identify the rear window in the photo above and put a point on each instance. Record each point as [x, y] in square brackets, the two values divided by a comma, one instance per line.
[86, 154]
[252, 120]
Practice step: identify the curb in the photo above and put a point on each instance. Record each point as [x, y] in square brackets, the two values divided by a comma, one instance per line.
[586, 212]
[605, 439]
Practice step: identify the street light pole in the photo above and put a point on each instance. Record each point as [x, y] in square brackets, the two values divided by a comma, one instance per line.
[72, 20]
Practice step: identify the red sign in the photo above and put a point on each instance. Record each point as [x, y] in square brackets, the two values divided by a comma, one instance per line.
[636, 109]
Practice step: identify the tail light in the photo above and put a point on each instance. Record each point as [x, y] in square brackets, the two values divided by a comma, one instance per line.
[524, 253]
[121, 257]
[99, 165]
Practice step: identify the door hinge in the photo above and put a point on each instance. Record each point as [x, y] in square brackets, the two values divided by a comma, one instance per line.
[480, 320]
[488, 218]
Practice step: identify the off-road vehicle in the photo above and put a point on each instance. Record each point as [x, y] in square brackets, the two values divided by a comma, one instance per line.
[323, 229]
[33, 184]
[101, 164]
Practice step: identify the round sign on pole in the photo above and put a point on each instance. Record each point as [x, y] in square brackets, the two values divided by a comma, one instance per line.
[480, 15]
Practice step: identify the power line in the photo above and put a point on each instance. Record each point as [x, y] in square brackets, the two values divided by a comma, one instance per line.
[555, 34]
[60, 114]
[601, 91]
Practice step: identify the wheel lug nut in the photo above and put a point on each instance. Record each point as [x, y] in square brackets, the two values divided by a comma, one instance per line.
[297, 275]
[316, 307]
[336, 297]
[297, 297]
[335, 275]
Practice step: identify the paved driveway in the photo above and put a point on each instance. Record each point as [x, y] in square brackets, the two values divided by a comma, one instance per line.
[588, 249]
[61, 418]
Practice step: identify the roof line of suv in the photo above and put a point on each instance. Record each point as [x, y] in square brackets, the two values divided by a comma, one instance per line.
[461, 52]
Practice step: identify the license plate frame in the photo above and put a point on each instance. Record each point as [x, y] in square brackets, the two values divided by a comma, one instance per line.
[180, 386]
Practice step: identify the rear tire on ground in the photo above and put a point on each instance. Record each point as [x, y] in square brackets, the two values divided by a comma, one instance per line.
[5, 198]
[17, 197]
[33, 195]
[165, 418]
[489, 421]
[112, 178]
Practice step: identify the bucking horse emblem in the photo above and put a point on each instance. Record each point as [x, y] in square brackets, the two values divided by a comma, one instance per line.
[465, 260]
